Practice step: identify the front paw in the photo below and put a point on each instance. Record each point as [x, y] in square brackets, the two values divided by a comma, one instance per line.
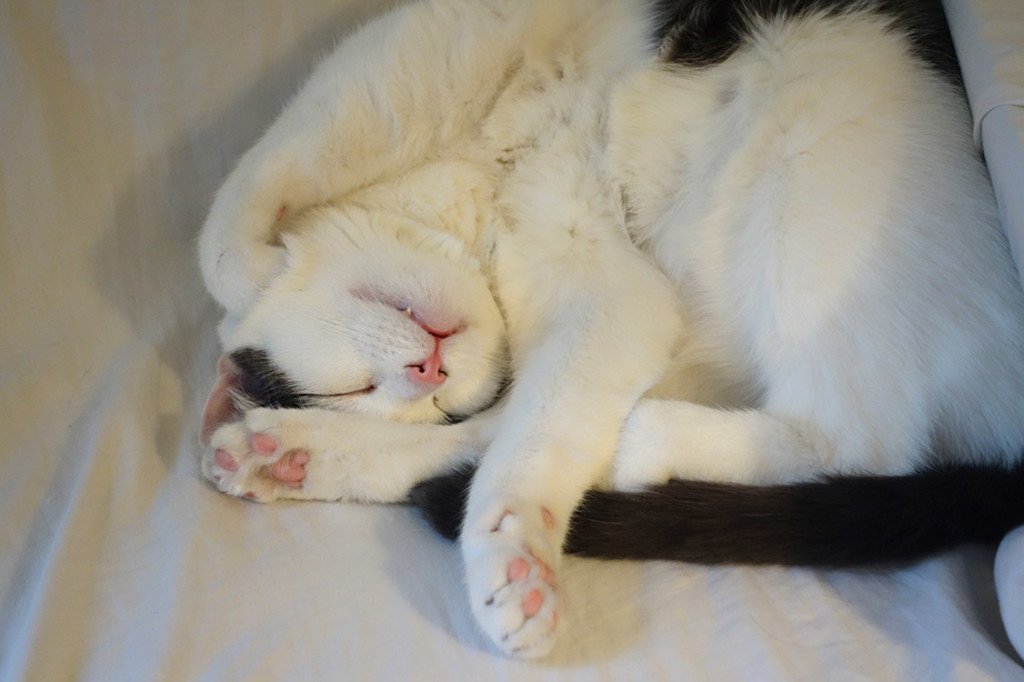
[510, 569]
[257, 459]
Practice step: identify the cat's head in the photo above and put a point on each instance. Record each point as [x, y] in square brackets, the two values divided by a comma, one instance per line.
[369, 313]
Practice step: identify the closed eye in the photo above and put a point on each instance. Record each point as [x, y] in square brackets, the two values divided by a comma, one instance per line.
[346, 394]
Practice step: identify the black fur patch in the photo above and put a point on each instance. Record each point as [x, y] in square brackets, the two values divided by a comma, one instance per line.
[264, 383]
[442, 500]
[838, 522]
[700, 33]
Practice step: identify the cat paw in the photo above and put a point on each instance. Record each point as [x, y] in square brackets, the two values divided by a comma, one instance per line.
[254, 460]
[509, 564]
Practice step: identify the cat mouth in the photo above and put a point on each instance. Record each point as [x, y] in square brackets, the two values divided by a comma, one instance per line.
[499, 394]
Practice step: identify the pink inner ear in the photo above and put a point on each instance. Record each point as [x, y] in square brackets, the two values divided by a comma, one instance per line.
[220, 406]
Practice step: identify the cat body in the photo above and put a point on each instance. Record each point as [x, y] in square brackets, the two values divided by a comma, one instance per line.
[610, 243]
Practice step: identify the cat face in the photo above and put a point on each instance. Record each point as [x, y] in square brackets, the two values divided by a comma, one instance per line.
[368, 314]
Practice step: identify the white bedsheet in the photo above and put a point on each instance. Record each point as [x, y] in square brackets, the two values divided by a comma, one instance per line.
[118, 120]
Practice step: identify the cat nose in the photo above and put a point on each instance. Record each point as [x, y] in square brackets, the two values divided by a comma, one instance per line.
[429, 372]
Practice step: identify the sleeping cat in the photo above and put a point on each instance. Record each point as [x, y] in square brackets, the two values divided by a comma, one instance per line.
[610, 243]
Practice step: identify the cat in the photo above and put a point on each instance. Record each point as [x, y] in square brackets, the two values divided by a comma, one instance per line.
[724, 248]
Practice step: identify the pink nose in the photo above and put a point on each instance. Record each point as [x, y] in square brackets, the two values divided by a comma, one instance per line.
[429, 372]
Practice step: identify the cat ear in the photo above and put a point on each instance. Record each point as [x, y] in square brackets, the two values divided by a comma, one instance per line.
[239, 247]
[220, 406]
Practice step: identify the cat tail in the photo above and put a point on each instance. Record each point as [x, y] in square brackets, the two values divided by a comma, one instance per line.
[846, 521]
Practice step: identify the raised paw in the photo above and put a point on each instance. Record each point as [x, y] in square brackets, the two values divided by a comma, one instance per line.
[246, 462]
[511, 580]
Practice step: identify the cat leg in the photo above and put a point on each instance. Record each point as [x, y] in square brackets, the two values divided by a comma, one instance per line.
[665, 439]
[316, 454]
[586, 345]
[852, 430]
[352, 125]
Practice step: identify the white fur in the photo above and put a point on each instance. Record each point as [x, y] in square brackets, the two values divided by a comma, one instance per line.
[793, 254]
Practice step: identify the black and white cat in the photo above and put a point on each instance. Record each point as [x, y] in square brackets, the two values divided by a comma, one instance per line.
[610, 243]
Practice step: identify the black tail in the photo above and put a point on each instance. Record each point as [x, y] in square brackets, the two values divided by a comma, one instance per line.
[836, 522]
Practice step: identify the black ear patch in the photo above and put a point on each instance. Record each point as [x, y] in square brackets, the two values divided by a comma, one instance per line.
[264, 383]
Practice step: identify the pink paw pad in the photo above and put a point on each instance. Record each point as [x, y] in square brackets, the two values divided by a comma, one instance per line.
[290, 469]
[518, 570]
[225, 460]
[532, 603]
[263, 444]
